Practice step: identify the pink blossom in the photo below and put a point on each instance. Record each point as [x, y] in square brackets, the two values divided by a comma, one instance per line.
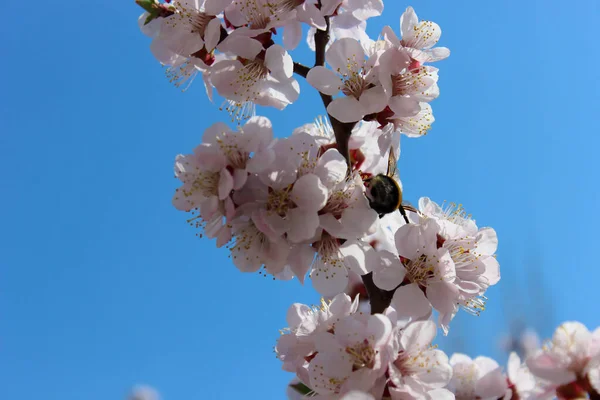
[481, 378]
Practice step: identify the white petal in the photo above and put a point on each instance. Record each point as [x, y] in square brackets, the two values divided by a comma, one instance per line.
[328, 367]
[303, 224]
[214, 7]
[357, 395]
[357, 256]
[279, 62]
[443, 296]
[242, 46]
[309, 193]
[292, 33]
[493, 384]
[225, 184]
[346, 109]
[240, 176]
[409, 301]
[373, 100]
[212, 34]
[364, 9]
[379, 328]
[261, 161]
[403, 106]
[418, 335]
[407, 21]
[324, 80]
[300, 260]
[390, 272]
[213, 132]
[328, 279]
[487, 241]
[344, 52]
[260, 130]
[311, 15]
[328, 6]
[331, 168]
[492, 270]
[546, 367]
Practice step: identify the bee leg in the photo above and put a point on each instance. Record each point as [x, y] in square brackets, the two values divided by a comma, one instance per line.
[403, 212]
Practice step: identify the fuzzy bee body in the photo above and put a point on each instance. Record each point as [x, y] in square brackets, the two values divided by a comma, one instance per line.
[384, 191]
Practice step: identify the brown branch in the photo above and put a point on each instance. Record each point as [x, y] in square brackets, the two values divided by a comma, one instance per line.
[378, 298]
[301, 69]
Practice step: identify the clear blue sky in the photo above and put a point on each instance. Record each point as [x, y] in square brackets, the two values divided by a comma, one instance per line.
[102, 283]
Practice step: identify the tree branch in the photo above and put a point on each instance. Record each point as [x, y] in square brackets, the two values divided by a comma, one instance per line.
[301, 69]
[378, 298]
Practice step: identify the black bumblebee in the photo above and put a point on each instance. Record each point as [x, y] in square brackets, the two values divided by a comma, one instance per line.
[384, 192]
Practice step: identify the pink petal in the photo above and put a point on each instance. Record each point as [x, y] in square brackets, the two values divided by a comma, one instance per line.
[225, 184]
[213, 132]
[224, 236]
[443, 296]
[324, 80]
[229, 209]
[240, 176]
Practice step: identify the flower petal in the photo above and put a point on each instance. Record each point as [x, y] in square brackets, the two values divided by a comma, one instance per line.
[279, 62]
[344, 52]
[390, 272]
[303, 224]
[212, 34]
[346, 109]
[418, 335]
[225, 184]
[409, 301]
[324, 80]
[358, 256]
[300, 259]
[329, 279]
[331, 168]
[309, 193]
[292, 33]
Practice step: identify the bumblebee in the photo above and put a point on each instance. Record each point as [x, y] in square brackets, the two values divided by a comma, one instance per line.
[384, 192]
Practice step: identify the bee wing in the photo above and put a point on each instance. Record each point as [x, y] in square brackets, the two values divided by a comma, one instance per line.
[392, 169]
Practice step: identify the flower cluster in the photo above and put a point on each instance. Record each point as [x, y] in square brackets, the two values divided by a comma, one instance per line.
[231, 43]
[335, 350]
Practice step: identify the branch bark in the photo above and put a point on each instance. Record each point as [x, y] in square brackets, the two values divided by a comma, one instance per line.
[301, 69]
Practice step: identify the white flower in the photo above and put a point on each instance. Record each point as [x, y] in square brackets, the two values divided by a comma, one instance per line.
[354, 76]
[219, 166]
[521, 381]
[471, 250]
[347, 19]
[354, 356]
[419, 367]
[570, 356]
[142, 392]
[425, 271]
[257, 76]
[481, 378]
[418, 38]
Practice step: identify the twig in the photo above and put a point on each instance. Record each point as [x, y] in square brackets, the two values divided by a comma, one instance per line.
[301, 69]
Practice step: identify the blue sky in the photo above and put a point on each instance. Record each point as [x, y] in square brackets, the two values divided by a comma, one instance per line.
[102, 283]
